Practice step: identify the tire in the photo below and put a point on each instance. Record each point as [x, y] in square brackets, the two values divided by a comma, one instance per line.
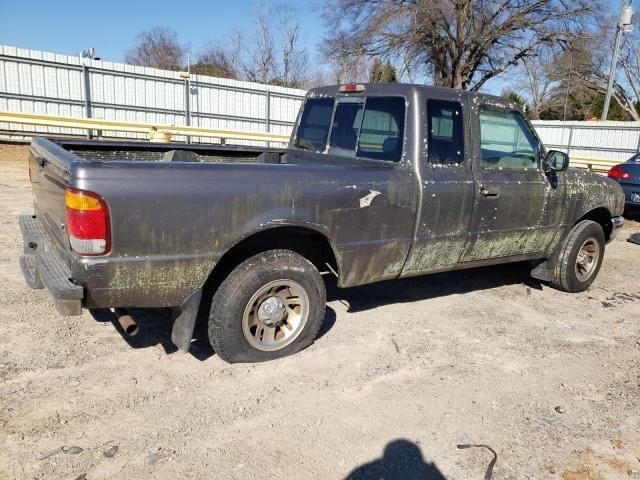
[251, 319]
[570, 274]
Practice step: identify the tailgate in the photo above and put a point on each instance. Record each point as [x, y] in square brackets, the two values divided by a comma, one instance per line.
[49, 169]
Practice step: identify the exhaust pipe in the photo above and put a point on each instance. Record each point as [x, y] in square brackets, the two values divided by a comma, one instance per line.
[127, 322]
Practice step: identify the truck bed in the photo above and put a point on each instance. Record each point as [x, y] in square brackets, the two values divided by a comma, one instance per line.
[168, 152]
[141, 181]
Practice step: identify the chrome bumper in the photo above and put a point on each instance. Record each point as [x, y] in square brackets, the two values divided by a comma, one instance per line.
[618, 223]
[43, 267]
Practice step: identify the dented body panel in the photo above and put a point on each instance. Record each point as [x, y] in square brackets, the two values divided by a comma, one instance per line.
[172, 222]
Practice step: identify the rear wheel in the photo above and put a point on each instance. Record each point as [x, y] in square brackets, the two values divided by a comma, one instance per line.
[270, 306]
[580, 257]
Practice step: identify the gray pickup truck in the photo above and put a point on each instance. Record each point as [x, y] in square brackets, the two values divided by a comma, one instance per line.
[379, 182]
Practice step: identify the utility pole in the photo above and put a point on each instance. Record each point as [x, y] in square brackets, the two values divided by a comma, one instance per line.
[624, 26]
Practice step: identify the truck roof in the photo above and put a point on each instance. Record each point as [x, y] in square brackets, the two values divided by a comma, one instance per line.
[402, 89]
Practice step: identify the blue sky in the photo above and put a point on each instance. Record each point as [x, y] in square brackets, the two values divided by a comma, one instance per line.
[110, 26]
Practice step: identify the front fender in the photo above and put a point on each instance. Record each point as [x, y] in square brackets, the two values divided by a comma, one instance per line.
[588, 191]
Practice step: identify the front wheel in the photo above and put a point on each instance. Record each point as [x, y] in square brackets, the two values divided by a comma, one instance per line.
[270, 306]
[580, 257]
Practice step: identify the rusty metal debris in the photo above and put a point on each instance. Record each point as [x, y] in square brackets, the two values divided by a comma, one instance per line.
[488, 474]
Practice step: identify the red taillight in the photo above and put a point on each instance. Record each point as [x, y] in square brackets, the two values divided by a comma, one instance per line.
[619, 174]
[87, 221]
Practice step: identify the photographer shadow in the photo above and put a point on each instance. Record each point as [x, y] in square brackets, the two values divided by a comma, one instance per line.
[401, 460]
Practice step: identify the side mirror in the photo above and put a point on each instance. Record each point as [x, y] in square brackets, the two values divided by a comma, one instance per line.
[555, 161]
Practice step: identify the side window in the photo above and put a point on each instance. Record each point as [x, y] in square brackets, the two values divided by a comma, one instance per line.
[314, 125]
[445, 133]
[382, 129]
[506, 141]
[346, 126]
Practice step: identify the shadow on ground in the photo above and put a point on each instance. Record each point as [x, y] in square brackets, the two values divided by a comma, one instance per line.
[401, 460]
[155, 324]
[632, 214]
[432, 286]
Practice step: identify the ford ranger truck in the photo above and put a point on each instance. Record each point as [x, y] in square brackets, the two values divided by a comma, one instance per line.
[379, 182]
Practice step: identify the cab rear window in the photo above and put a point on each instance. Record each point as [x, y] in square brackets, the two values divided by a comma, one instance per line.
[366, 127]
[314, 124]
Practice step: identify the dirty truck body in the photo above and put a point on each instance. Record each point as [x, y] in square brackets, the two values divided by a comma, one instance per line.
[379, 182]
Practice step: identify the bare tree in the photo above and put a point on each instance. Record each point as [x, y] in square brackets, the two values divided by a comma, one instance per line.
[157, 48]
[459, 43]
[345, 69]
[222, 62]
[276, 54]
[587, 61]
[260, 64]
[293, 65]
[630, 66]
[537, 80]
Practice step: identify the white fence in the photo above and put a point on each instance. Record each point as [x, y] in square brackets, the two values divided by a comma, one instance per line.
[600, 141]
[47, 83]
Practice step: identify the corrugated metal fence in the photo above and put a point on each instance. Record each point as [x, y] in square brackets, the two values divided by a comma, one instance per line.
[47, 83]
[613, 141]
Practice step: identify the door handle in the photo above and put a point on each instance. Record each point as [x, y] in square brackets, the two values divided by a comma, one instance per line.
[490, 191]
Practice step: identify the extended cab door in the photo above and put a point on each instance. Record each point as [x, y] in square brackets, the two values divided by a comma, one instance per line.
[511, 214]
[447, 186]
[365, 193]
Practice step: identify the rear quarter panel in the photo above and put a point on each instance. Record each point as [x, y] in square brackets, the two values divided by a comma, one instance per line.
[172, 222]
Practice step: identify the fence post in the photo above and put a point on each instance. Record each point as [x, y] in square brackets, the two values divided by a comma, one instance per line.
[86, 83]
[187, 105]
[267, 120]
[569, 142]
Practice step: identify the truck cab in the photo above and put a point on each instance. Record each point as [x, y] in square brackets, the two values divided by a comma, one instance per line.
[480, 185]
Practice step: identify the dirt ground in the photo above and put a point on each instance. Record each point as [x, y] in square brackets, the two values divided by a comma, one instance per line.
[402, 373]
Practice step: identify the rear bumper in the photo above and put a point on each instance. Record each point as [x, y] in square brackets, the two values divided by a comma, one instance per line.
[77, 282]
[618, 223]
[42, 267]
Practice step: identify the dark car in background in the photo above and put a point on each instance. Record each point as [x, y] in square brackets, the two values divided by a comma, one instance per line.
[627, 174]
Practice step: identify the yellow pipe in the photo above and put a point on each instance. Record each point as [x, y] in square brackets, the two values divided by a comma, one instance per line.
[115, 125]
[163, 133]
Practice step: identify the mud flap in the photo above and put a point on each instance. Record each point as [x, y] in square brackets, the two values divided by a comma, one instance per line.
[544, 270]
[182, 331]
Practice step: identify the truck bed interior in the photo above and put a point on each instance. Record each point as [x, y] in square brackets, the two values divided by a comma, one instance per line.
[170, 152]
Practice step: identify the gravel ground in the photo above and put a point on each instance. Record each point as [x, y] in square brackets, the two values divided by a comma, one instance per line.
[402, 373]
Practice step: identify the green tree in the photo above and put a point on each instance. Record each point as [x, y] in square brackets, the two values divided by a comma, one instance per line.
[376, 73]
[382, 72]
[389, 73]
